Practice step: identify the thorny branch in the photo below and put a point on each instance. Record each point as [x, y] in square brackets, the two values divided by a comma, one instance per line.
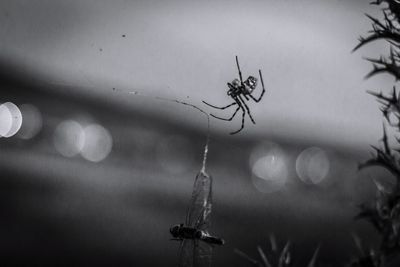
[386, 65]
[384, 157]
[390, 108]
[387, 30]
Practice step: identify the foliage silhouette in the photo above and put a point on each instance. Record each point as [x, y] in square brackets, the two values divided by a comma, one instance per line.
[383, 213]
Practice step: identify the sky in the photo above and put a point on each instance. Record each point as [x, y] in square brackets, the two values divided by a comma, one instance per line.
[186, 50]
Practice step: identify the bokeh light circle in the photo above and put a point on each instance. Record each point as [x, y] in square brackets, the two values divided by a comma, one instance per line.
[69, 138]
[5, 120]
[32, 122]
[97, 143]
[10, 119]
[312, 165]
[268, 164]
[174, 154]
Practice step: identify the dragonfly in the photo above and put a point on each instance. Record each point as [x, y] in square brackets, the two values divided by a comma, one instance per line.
[196, 243]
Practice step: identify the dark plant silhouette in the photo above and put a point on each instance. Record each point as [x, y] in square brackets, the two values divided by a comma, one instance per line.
[275, 257]
[384, 211]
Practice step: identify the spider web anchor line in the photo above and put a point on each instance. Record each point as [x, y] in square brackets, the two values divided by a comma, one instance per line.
[205, 153]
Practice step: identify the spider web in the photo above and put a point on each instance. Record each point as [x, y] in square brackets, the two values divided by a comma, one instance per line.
[205, 153]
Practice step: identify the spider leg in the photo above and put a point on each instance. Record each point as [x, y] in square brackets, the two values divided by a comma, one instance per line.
[263, 91]
[243, 114]
[240, 76]
[231, 118]
[234, 103]
[240, 73]
[248, 110]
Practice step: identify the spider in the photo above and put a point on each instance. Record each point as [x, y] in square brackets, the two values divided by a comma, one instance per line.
[240, 91]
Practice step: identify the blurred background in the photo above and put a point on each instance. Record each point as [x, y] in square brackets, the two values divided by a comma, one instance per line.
[92, 174]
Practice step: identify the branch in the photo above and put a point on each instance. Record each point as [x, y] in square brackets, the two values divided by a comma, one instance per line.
[387, 31]
[390, 104]
[384, 157]
[385, 65]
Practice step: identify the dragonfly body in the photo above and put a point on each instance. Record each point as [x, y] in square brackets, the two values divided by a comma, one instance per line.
[180, 232]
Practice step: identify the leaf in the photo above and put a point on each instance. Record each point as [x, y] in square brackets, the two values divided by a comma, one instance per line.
[272, 241]
[313, 260]
[263, 257]
[358, 243]
[247, 257]
[285, 258]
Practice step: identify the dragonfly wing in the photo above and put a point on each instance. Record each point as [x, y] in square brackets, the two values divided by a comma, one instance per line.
[202, 254]
[186, 254]
[198, 215]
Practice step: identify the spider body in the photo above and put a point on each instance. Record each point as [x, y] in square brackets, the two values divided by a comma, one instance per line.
[236, 88]
[241, 91]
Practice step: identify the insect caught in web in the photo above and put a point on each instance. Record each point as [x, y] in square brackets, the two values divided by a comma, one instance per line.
[241, 92]
[196, 243]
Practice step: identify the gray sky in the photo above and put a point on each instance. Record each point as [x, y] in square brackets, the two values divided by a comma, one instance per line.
[175, 49]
